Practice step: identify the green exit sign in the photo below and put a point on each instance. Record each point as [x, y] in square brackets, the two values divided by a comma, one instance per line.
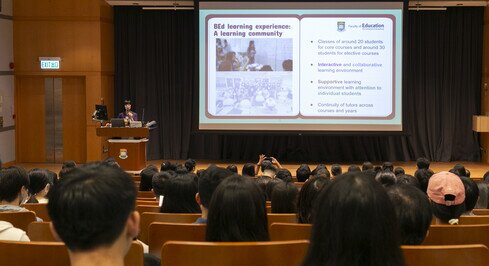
[50, 63]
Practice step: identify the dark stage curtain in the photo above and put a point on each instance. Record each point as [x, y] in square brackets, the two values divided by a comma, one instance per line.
[155, 68]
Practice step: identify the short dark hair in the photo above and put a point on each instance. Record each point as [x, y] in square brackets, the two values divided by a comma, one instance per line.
[423, 175]
[413, 211]
[284, 175]
[160, 181]
[89, 207]
[336, 169]
[147, 174]
[12, 179]
[353, 168]
[38, 180]
[68, 164]
[367, 166]
[387, 166]
[233, 168]
[386, 178]
[237, 212]
[166, 166]
[485, 178]
[459, 170]
[471, 193]
[354, 224]
[180, 195]
[318, 167]
[447, 213]
[408, 180]
[267, 165]
[284, 198]
[190, 165]
[248, 169]
[270, 186]
[399, 171]
[307, 197]
[181, 169]
[208, 182]
[303, 172]
[423, 163]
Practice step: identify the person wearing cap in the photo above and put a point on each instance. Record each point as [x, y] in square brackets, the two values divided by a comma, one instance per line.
[128, 114]
[447, 195]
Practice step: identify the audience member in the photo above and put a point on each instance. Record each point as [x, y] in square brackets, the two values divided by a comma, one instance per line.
[270, 186]
[483, 202]
[399, 171]
[98, 225]
[268, 169]
[147, 174]
[111, 162]
[422, 163]
[367, 166]
[233, 168]
[336, 170]
[9, 232]
[262, 182]
[190, 165]
[14, 183]
[248, 170]
[307, 198]
[459, 170]
[353, 168]
[181, 169]
[386, 178]
[284, 198]
[302, 173]
[180, 194]
[387, 166]
[408, 180]
[354, 224]
[485, 178]
[423, 176]
[471, 194]
[284, 175]
[66, 167]
[159, 183]
[413, 211]
[447, 195]
[38, 186]
[237, 212]
[167, 166]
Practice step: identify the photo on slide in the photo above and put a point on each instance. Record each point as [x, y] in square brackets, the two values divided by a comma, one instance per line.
[254, 54]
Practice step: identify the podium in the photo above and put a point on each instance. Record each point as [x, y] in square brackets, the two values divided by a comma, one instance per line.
[480, 123]
[127, 145]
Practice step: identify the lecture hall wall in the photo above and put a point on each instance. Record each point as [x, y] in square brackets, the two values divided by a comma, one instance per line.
[484, 140]
[81, 33]
[7, 130]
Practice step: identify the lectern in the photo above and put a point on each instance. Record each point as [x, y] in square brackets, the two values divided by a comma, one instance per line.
[127, 145]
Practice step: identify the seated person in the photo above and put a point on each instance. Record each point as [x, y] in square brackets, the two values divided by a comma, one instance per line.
[147, 178]
[159, 183]
[471, 195]
[284, 198]
[98, 225]
[447, 195]
[248, 170]
[336, 170]
[267, 163]
[180, 194]
[128, 114]
[9, 232]
[303, 172]
[39, 185]
[307, 197]
[190, 164]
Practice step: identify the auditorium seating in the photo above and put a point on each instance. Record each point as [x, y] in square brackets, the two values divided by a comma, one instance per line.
[18, 219]
[270, 253]
[457, 235]
[40, 231]
[147, 208]
[481, 211]
[146, 194]
[33, 253]
[160, 233]
[148, 218]
[479, 219]
[449, 255]
[290, 231]
[40, 209]
[281, 218]
[147, 202]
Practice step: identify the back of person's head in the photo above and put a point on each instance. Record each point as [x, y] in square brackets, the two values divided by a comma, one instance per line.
[68, 164]
[190, 165]
[336, 170]
[485, 178]
[233, 168]
[408, 180]
[147, 178]
[423, 176]
[12, 180]
[318, 167]
[353, 169]
[413, 211]
[423, 163]
[387, 166]
[267, 165]
[471, 193]
[93, 206]
[459, 170]
[483, 201]
[166, 166]
[323, 172]
[367, 166]
[180, 169]
[307, 197]
[237, 212]
[110, 161]
[180, 194]
[399, 171]
[284, 175]
[354, 224]
[386, 178]
[302, 173]
[38, 181]
[160, 181]
[270, 186]
[208, 182]
[248, 170]
[447, 195]
[284, 198]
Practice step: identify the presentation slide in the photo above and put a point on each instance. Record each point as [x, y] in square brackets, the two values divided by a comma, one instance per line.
[300, 66]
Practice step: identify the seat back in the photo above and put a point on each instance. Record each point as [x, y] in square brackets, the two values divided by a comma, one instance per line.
[160, 233]
[270, 253]
[135, 255]
[151, 217]
[18, 219]
[147, 208]
[478, 219]
[450, 255]
[281, 218]
[146, 202]
[457, 235]
[290, 231]
[40, 231]
[480, 211]
[146, 194]
[40, 209]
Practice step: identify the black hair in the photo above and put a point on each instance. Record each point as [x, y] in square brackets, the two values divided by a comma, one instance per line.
[284, 175]
[423, 163]
[322, 172]
[413, 211]
[386, 178]
[387, 166]
[270, 186]
[180, 195]
[69, 164]
[303, 172]
[233, 168]
[459, 170]
[483, 202]
[110, 161]
[307, 197]
[318, 167]
[399, 171]
[90, 206]
[166, 166]
[248, 170]
[284, 198]
[446, 213]
[262, 182]
[237, 212]
[408, 180]
[267, 165]
[336, 169]
[181, 169]
[423, 175]
[354, 224]
[485, 178]
[471, 193]
[160, 181]
[38, 180]
[190, 165]
[147, 178]
[208, 182]
[367, 166]
[353, 168]
[12, 179]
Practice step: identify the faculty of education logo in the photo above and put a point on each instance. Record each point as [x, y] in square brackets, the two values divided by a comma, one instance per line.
[123, 153]
[341, 26]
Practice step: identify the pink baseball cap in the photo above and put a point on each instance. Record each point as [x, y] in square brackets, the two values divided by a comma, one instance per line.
[445, 183]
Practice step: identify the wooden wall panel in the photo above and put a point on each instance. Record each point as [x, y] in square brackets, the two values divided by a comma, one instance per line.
[484, 137]
[30, 120]
[57, 8]
[74, 131]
